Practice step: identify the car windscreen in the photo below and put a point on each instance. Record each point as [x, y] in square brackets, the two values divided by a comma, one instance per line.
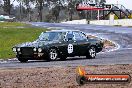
[50, 36]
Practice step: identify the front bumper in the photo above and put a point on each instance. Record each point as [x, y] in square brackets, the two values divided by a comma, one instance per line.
[32, 57]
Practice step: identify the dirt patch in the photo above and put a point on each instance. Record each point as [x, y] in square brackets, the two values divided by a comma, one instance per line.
[58, 77]
[108, 45]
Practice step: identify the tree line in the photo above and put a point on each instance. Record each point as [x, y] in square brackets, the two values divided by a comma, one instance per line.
[47, 10]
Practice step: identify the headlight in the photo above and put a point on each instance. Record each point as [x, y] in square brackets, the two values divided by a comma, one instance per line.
[14, 49]
[18, 49]
[34, 49]
[39, 50]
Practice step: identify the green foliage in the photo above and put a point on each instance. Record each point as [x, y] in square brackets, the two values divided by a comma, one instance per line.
[7, 6]
[12, 35]
[115, 17]
[130, 16]
[48, 18]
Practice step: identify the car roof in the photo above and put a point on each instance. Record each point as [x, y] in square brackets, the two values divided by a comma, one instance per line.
[63, 30]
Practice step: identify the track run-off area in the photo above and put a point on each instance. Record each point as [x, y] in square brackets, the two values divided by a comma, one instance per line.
[122, 36]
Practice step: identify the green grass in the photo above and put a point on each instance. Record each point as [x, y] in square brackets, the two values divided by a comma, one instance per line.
[12, 24]
[12, 36]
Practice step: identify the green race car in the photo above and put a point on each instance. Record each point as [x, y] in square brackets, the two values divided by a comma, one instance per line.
[58, 44]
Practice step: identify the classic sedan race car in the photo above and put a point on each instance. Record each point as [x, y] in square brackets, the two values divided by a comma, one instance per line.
[58, 44]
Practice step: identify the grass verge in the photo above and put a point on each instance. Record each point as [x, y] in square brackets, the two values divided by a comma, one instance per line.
[12, 35]
[12, 24]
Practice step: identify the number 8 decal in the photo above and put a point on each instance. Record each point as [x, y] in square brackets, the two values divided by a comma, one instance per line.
[70, 48]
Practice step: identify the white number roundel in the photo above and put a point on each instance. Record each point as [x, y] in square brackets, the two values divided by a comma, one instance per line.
[70, 48]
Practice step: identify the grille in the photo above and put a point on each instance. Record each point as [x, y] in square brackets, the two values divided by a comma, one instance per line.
[27, 51]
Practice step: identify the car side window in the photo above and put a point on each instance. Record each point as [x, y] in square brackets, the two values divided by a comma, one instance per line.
[83, 36]
[79, 36]
[69, 36]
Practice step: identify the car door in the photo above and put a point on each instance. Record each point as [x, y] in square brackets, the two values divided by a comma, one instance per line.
[82, 43]
[69, 46]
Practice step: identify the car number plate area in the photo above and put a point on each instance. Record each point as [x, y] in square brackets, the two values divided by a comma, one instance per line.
[27, 51]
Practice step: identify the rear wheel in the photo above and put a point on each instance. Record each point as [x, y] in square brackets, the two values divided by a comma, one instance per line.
[23, 60]
[91, 53]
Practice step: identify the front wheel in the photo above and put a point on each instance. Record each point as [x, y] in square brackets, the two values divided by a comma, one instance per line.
[91, 53]
[23, 60]
[53, 54]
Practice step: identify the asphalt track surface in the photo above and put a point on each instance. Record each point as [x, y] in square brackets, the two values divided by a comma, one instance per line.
[120, 35]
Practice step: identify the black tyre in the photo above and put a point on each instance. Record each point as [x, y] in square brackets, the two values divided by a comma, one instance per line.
[53, 55]
[23, 60]
[91, 53]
